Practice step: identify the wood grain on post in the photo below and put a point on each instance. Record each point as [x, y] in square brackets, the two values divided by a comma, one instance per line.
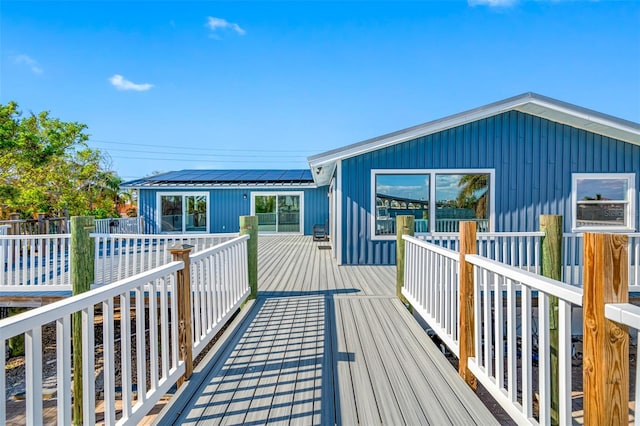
[466, 342]
[185, 342]
[551, 267]
[404, 226]
[82, 275]
[606, 343]
[249, 225]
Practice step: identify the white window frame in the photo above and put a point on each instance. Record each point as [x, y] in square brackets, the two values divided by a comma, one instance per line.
[631, 200]
[277, 193]
[432, 193]
[182, 194]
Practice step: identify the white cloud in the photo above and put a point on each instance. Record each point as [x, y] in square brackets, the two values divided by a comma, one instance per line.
[492, 3]
[121, 83]
[215, 24]
[30, 62]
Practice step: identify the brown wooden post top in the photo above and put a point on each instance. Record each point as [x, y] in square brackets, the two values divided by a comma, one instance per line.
[185, 342]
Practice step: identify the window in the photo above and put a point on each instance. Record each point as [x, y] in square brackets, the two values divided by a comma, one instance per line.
[401, 194]
[603, 201]
[462, 197]
[181, 213]
[278, 212]
[439, 200]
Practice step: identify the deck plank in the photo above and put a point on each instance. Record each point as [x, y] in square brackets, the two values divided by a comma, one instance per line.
[327, 345]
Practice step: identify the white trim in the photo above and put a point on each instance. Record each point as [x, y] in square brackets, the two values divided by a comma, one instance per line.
[338, 208]
[184, 222]
[631, 201]
[530, 103]
[277, 194]
[432, 194]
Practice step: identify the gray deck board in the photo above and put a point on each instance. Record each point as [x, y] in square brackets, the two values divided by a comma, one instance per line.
[326, 345]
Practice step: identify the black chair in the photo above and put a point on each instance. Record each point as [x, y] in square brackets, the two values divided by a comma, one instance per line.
[320, 232]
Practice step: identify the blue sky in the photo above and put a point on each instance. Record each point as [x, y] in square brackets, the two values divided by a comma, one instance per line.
[175, 85]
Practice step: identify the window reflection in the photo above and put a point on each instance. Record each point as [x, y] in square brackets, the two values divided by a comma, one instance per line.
[401, 195]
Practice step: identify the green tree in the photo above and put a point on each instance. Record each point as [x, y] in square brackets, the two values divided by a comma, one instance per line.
[474, 194]
[46, 166]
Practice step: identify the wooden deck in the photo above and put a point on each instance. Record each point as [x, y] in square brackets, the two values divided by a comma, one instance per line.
[324, 345]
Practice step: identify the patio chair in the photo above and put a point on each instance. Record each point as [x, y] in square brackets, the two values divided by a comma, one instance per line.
[320, 232]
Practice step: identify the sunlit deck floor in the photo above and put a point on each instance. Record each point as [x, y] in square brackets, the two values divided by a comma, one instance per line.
[324, 345]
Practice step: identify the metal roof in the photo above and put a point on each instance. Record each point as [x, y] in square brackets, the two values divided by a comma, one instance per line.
[231, 178]
[324, 164]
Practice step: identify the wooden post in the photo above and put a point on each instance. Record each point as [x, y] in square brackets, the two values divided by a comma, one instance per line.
[185, 341]
[405, 225]
[82, 275]
[249, 225]
[606, 343]
[551, 266]
[466, 311]
[15, 226]
[42, 224]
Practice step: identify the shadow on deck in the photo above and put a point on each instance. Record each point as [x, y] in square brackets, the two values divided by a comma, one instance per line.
[324, 345]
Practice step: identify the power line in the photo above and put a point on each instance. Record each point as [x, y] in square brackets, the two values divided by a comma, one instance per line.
[204, 155]
[204, 160]
[308, 152]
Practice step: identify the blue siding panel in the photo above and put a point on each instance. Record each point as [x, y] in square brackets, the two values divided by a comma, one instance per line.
[533, 159]
[227, 205]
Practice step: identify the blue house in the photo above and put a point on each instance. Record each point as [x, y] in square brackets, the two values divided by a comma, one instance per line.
[210, 201]
[501, 165]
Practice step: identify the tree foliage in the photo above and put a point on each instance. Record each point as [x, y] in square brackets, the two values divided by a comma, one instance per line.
[46, 166]
[474, 194]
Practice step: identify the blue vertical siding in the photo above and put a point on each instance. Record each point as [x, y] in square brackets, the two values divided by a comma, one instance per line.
[533, 159]
[227, 205]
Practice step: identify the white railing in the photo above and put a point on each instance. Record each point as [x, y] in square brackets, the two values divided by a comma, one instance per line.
[629, 315]
[572, 260]
[118, 256]
[4, 229]
[34, 262]
[120, 225]
[431, 286]
[519, 249]
[510, 339]
[147, 361]
[220, 284]
[453, 225]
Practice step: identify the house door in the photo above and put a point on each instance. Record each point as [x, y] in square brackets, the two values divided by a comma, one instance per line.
[278, 212]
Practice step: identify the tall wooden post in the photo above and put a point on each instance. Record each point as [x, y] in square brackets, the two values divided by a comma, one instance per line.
[82, 275]
[404, 226]
[606, 343]
[467, 321]
[249, 225]
[551, 266]
[185, 341]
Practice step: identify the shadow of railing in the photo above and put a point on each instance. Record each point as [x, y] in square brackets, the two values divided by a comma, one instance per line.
[278, 364]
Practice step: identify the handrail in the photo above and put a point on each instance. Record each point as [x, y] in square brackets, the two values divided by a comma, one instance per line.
[164, 369]
[35, 262]
[220, 284]
[431, 286]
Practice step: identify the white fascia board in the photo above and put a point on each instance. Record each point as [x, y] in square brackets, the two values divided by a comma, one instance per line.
[544, 107]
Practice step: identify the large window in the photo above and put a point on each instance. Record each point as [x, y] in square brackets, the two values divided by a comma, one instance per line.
[438, 199]
[278, 212]
[603, 201]
[181, 213]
